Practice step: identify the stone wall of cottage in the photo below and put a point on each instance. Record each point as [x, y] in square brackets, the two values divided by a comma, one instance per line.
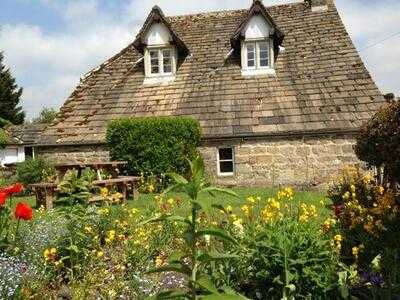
[299, 162]
[307, 161]
[78, 153]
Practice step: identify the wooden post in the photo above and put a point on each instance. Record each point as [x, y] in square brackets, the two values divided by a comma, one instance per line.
[49, 198]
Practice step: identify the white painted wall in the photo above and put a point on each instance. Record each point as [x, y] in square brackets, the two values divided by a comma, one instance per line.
[256, 28]
[11, 155]
[158, 35]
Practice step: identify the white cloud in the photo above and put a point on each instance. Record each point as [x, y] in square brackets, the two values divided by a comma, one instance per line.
[48, 65]
[370, 23]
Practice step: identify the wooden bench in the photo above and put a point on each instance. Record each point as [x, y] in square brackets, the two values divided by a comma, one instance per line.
[45, 192]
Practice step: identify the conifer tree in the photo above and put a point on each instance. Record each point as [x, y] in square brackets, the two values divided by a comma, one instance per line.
[10, 96]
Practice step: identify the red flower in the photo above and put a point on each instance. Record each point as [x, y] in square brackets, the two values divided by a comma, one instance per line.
[3, 198]
[13, 189]
[338, 209]
[17, 188]
[23, 212]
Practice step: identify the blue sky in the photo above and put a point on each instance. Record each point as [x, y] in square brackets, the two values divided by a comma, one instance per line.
[49, 44]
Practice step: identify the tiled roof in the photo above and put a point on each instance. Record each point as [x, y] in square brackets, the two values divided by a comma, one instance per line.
[26, 134]
[321, 84]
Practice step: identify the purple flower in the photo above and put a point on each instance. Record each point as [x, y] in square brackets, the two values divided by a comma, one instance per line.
[372, 278]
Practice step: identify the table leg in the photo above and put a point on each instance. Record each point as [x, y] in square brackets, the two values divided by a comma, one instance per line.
[135, 191]
[124, 192]
[49, 199]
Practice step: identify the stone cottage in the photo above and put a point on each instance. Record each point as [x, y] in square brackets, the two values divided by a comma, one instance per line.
[279, 91]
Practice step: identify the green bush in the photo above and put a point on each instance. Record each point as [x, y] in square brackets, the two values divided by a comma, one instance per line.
[35, 170]
[378, 142]
[154, 145]
[284, 260]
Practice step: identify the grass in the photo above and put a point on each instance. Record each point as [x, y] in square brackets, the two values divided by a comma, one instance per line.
[146, 201]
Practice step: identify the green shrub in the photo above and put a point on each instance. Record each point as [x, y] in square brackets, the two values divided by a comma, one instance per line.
[75, 189]
[154, 145]
[35, 170]
[378, 142]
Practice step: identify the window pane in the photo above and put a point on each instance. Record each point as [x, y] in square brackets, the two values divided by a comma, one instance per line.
[225, 153]
[167, 65]
[154, 61]
[263, 62]
[226, 167]
[166, 53]
[250, 63]
[167, 68]
[263, 47]
[250, 48]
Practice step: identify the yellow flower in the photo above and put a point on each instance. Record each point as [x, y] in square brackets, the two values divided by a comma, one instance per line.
[100, 254]
[346, 196]
[381, 190]
[251, 200]
[353, 188]
[134, 211]
[150, 188]
[171, 201]
[88, 229]
[58, 264]
[104, 192]
[338, 238]
[246, 210]
[326, 227]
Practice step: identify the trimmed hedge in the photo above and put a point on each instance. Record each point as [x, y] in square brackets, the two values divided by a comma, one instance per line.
[154, 145]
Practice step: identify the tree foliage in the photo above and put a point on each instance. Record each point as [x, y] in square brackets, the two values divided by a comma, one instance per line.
[10, 96]
[46, 115]
[378, 142]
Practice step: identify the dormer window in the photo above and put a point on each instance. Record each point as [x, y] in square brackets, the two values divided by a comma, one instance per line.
[160, 62]
[257, 39]
[256, 55]
[161, 48]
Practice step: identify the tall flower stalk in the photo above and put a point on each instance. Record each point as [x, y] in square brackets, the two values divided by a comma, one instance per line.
[190, 264]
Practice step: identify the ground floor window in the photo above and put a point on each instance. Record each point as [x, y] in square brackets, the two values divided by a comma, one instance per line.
[226, 161]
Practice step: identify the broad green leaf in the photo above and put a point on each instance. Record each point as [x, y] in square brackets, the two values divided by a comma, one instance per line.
[171, 268]
[173, 188]
[168, 295]
[206, 283]
[166, 218]
[176, 256]
[212, 190]
[179, 179]
[223, 297]
[217, 233]
[204, 203]
[210, 256]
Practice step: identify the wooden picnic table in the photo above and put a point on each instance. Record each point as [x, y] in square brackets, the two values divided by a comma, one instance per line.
[122, 184]
[111, 167]
[45, 192]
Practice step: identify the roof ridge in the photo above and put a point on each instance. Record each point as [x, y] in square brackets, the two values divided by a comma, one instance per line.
[216, 12]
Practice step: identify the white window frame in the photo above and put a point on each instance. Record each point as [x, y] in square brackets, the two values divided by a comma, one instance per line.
[225, 174]
[161, 72]
[257, 69]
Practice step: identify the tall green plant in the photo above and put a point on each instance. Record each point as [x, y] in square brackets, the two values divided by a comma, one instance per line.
[76, 189]
[192, 262]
